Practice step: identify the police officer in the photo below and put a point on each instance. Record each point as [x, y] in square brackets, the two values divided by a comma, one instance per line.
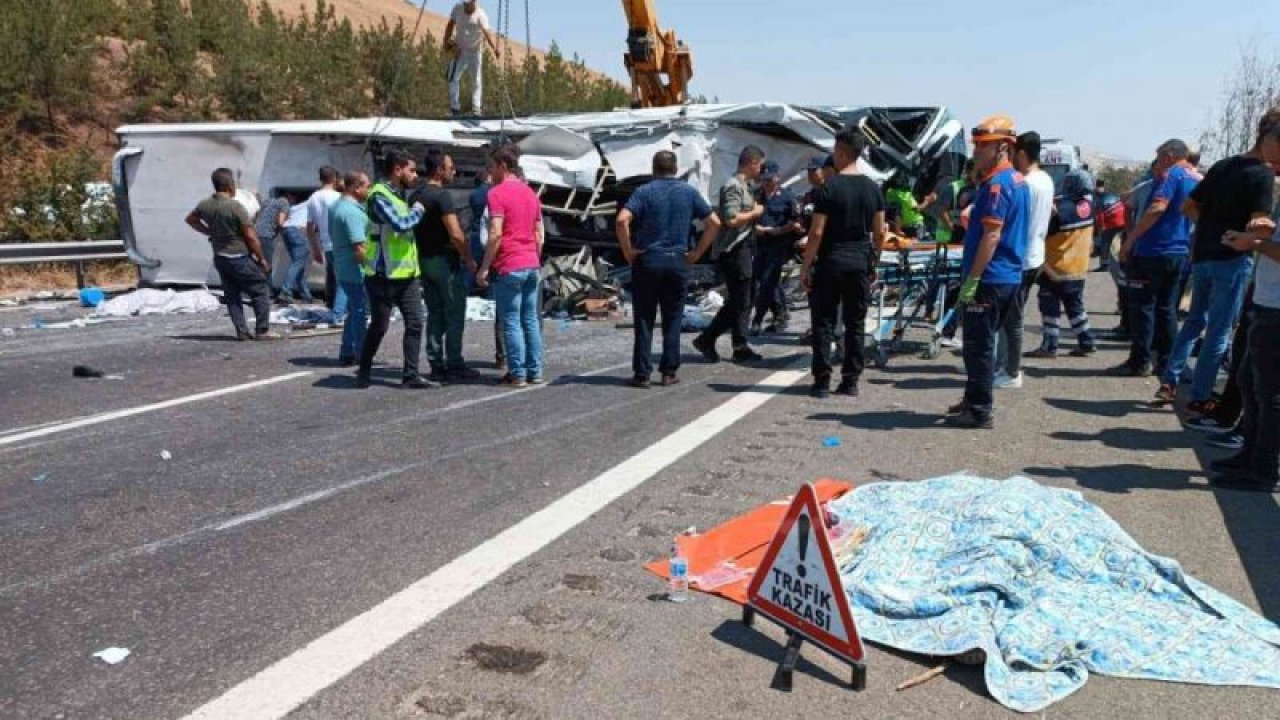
[776, 233]
[391, 271]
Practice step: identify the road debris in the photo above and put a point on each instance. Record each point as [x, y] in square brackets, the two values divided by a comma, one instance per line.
[84, 371]
[166, 455]
[831, 442]
[112, 655]
[506, 659]
[924, 677]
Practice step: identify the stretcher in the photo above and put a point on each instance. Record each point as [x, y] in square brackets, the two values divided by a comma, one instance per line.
[913, 280]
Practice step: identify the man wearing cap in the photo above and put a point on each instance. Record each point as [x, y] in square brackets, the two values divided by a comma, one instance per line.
[776, 233]
[1155, 254]
[995, 245]
[733, 252]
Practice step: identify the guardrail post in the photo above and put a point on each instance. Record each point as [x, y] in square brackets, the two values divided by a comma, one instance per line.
[80, 274]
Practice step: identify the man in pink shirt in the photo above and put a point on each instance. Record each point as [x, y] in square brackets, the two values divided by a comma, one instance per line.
[514, 254]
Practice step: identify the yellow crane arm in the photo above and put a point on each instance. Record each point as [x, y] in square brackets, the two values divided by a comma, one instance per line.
[660, 65]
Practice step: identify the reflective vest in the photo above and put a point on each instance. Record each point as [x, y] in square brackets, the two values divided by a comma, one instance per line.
[393, 254]
[943, 234]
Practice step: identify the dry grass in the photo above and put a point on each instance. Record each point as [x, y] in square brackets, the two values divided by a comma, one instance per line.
[21, 279]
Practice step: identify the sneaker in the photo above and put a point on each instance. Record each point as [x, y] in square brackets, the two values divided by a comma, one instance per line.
[1204, 424]
[512, 381]
[1041, 354]
[1202, 408]
[951, 342]
[439, 377]
[267, 336]
[848, 388]
[746, 355]
[958, 408]
[1082, 352]
[463, 374]
[1229, 440]
[669, 380]
[639, 381]
[1165, 395]
[707, 347]
[244, 335]
[1004, 382]
[536, 381]
[820, 391]
[1244, 482]
[969, 420]
[363, 381]
[417, 382]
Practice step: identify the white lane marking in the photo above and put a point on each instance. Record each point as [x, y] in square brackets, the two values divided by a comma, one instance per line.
[279, 689]
[130, 412]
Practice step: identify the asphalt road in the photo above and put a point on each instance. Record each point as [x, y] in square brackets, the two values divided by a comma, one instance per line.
[291, 506]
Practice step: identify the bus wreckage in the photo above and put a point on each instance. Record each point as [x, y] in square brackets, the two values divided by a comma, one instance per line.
[583, 167]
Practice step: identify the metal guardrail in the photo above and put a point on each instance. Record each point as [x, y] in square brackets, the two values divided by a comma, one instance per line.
[74, 253]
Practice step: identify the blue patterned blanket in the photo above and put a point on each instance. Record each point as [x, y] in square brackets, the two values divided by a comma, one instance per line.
[1046, 584]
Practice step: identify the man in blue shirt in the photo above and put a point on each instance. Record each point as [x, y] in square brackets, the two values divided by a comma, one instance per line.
[1154, 255]
[658, 250]
[994, 247]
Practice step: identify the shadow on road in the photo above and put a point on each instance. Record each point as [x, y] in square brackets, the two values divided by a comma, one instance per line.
[1129, 438]
[204, 338]
[1104, 408]
[921, 383]
[751, 640]
[887, 420]
[1122, 478]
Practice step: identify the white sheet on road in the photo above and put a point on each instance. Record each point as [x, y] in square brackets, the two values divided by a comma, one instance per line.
[158, 302]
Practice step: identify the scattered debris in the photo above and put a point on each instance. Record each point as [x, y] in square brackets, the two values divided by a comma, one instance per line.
[506, 659]
[303, 317]
[923, 678]
[7, 332]
[112, 655]
[831, 442]
[480, 309]
[84, 371]
[92, 297]
[9, 302]
[40, 479]
[166, 455]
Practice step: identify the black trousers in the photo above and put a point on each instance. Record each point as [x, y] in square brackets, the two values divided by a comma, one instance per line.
[983, 319]
[384, 296]
[242, 276]
[1153, 307]
[847, 291]
[766, 278]
[734, 317]
[1231, 406]
[1260, 389]
[658, 283]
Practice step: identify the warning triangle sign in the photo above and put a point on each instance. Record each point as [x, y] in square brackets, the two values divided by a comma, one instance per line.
[798, 584]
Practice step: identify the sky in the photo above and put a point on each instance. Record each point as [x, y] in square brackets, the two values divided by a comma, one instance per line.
[1115, 77]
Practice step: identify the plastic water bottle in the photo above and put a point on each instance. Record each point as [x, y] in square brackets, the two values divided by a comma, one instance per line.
[678, 587]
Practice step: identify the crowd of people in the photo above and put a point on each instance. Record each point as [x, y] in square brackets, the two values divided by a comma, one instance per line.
[399, 244]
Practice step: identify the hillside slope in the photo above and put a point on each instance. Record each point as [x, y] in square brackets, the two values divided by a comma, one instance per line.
[368, 13]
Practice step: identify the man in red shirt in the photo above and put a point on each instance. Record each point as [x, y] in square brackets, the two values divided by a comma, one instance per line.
[515, 254]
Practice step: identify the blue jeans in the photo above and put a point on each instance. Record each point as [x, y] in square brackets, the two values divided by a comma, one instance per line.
[983, 319]
[357, 325]
[295, 279]
[517, 296]
[1217, 293]
[1153, 307]
[339, 290]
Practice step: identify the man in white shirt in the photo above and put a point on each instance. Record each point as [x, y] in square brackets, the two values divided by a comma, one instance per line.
[1040, 187]
[321, 243]
[464, 36]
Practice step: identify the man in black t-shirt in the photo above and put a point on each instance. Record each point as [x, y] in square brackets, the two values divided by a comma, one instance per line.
[839, 263]
[446, 261]
[1235, 191]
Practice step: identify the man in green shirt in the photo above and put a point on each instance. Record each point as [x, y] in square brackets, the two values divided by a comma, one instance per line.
[734, 252]
[237, 255]
[908, 221]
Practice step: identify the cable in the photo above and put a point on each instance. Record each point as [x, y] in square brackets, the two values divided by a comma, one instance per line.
[395, 81]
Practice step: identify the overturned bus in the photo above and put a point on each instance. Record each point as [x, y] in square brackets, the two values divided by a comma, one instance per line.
[583, 166]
